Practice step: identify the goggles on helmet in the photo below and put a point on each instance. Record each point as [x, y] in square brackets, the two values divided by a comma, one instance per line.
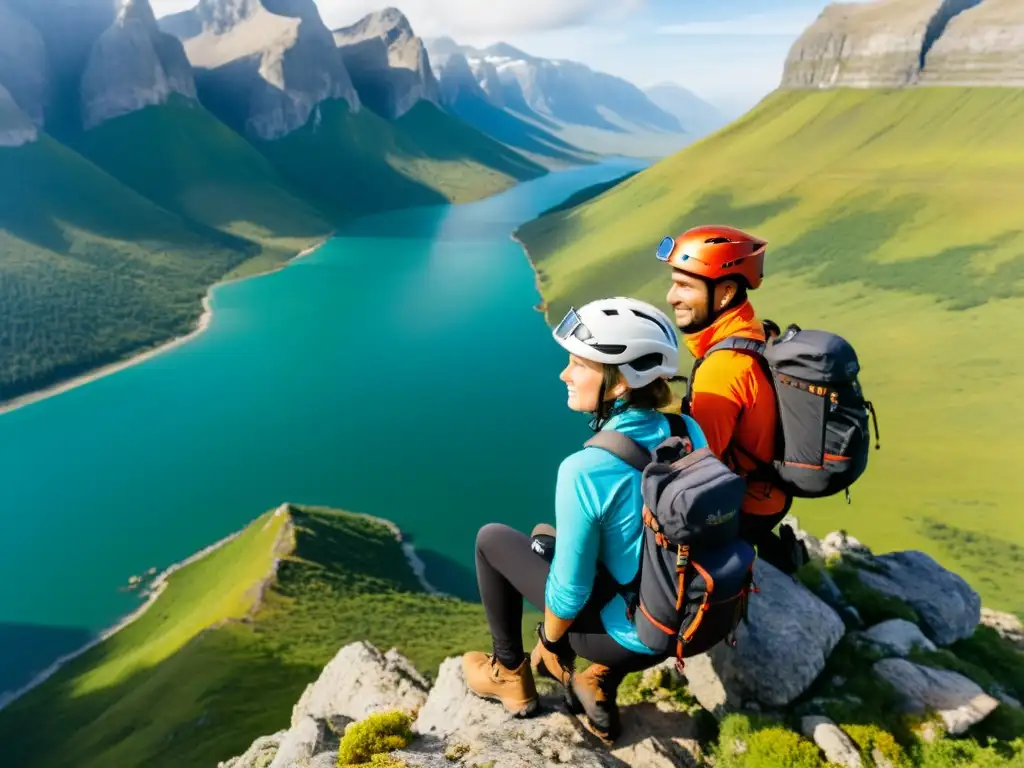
[572, 325]
[665, 248]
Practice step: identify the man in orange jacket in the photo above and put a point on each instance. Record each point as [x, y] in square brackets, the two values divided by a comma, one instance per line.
[713, 268]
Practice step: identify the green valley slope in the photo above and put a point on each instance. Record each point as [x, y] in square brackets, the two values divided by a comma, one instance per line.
[352, 164]
[182, 158]
[91, 271]
[894, 219]
[228, 647]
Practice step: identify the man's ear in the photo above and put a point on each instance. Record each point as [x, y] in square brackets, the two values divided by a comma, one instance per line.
[725, 292]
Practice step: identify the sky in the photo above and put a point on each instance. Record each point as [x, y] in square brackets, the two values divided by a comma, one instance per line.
[730, 52]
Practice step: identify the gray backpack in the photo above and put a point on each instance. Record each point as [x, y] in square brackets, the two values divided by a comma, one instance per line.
[823, 442]
[695, 571]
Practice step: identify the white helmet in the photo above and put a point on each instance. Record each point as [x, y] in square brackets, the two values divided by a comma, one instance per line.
[634, 335]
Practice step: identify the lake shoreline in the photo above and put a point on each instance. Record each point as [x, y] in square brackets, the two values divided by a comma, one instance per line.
[156, 588]
[160, 581]
[542, 305]
[202, 324]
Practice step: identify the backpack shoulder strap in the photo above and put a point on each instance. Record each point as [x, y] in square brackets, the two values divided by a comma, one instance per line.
[621, 446]
[752, 347]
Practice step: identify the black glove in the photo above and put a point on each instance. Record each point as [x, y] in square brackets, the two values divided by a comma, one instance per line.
[561, 649]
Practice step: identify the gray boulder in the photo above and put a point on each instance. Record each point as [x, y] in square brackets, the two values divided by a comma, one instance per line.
[783, 649]
[949, 608]
[24, 68]
[958, 701]
[897, 637]
[388, 64]
[839, 748]
[133, 65]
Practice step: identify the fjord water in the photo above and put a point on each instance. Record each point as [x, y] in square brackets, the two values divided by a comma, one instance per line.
[401, 370]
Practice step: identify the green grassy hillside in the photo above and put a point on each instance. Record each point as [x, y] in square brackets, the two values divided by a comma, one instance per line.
[894, 219]
[354, 164]
[224, 653]
[185, 160]
[91, 271]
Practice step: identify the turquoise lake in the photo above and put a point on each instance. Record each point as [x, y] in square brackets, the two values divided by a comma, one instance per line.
[401, 370]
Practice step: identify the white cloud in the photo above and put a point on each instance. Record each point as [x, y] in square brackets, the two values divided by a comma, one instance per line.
[790, 23]
[476, 18]
[466, 18]
[166, 7]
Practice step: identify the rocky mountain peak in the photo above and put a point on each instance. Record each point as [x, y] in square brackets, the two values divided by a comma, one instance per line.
[133, 65]
[263, 66]
[136, 10]
[388, 63]
[24, 68]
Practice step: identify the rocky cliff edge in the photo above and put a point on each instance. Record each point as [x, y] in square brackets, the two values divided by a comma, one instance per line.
[777, 669]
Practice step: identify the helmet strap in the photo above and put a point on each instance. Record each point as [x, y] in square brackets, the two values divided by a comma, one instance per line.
[605, 411]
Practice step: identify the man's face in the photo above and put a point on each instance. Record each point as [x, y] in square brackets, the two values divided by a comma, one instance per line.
[689, 297]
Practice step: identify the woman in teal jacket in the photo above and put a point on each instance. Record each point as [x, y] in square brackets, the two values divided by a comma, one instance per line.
[621, 354]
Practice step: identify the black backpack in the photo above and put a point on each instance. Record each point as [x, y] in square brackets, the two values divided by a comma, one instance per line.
[822, 446]
[695, 571]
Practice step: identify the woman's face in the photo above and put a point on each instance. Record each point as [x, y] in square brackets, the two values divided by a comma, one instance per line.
[583, 380]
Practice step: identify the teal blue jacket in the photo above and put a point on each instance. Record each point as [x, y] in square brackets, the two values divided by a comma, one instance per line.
[598, 507]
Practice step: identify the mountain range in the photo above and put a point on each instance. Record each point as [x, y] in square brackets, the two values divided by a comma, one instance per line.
[528, 100]
[142, 160]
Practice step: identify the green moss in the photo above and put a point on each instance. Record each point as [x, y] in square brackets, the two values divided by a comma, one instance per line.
[372, 737]
[964, 753]
[987, 650]
[747, 741]
[873, 741]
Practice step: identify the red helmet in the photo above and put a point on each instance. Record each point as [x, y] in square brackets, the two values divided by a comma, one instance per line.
[714, 252]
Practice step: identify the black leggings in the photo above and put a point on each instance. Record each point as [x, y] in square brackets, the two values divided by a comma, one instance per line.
[758, 531]
[507, 570]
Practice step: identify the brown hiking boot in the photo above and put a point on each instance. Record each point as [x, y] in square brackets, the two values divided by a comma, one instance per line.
[545, 664]
[593, 692]
[490, 679]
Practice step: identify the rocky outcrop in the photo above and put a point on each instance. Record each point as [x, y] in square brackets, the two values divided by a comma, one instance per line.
[24, 69]
[778, 654]
[949, 608]
[388, 64]
[958, 701]
[133, 65]
[778, 657]
[869, 45]
[451, 721]
[984, 45]
[15, 126]
[263, 66]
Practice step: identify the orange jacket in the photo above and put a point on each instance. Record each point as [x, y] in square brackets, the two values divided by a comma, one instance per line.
[733, 400]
